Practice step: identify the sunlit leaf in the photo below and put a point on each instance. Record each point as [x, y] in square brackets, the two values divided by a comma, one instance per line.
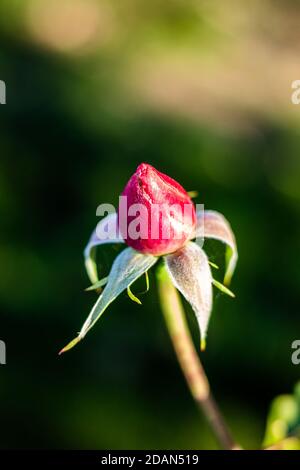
[190, 272]
[126, 269]
[217, 227]
[283, 419]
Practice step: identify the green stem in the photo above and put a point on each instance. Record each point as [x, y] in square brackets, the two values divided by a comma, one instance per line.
[189, 360]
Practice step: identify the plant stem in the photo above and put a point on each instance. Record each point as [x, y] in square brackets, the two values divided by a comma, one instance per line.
[189, 360]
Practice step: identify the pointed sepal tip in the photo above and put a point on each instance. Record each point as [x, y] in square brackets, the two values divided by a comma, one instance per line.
[69, 346]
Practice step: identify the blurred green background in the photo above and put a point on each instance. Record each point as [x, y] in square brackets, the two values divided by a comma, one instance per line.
[202, 91]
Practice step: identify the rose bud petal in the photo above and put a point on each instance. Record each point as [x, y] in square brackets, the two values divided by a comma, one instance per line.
[156, 215]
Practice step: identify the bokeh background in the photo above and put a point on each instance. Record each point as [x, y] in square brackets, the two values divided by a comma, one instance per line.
[202, 91]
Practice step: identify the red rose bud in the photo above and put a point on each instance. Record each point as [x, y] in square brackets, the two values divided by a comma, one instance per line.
[156, 215]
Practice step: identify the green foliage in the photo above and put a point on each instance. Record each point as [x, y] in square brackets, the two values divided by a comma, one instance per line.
[198, 105]
[284, 421]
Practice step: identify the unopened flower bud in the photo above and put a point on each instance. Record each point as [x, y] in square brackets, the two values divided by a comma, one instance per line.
[159, 216]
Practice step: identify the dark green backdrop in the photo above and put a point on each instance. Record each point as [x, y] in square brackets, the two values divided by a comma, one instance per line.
[79, 118]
